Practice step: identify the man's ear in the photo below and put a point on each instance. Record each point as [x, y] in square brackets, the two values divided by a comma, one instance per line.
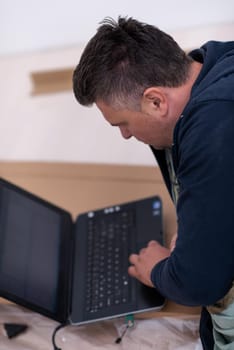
[154, 101]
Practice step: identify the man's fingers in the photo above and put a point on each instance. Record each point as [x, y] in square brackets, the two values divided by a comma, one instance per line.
[152, 243]
[133, 258]
[132, 271]
[142, 251]
[143, 263]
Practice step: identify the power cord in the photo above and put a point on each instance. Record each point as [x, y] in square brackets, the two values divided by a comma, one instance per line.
[129, 321]
[60, 326]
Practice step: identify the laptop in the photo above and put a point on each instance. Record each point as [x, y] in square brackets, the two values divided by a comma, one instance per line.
[75, 272]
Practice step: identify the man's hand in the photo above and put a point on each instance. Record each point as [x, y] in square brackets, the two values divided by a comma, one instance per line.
[143, 263]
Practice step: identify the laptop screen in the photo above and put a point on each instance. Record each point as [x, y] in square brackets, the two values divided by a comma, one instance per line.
[31, 252]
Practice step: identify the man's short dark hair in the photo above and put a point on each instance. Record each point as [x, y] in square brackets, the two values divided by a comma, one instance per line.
[124, 58]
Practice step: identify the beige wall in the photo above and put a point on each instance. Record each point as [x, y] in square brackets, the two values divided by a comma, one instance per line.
[53, 127]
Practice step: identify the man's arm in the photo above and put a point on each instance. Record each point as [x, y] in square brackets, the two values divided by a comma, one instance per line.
[199, 270]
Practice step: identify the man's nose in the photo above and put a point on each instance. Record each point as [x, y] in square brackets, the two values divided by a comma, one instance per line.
[125, 132]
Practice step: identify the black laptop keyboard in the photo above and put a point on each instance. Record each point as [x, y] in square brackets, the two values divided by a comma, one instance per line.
[109, 246]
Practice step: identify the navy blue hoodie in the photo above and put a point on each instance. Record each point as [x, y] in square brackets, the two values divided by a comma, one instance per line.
[200, 270]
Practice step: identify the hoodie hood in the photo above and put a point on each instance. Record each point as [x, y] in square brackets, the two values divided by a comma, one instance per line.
[218, 63]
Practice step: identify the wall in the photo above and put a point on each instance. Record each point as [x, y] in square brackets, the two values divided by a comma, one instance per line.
[28, 25]
[54, 127]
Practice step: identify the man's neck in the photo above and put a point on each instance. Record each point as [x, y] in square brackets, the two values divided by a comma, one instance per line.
[180, 96]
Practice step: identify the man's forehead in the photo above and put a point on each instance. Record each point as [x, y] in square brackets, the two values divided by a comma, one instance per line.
[119, 118]
[108, 111]
[103, 106]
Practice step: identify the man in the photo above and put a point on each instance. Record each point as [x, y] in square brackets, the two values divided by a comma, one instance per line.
[183, 107]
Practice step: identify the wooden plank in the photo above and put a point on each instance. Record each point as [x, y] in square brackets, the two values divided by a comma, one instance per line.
[51, 81]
